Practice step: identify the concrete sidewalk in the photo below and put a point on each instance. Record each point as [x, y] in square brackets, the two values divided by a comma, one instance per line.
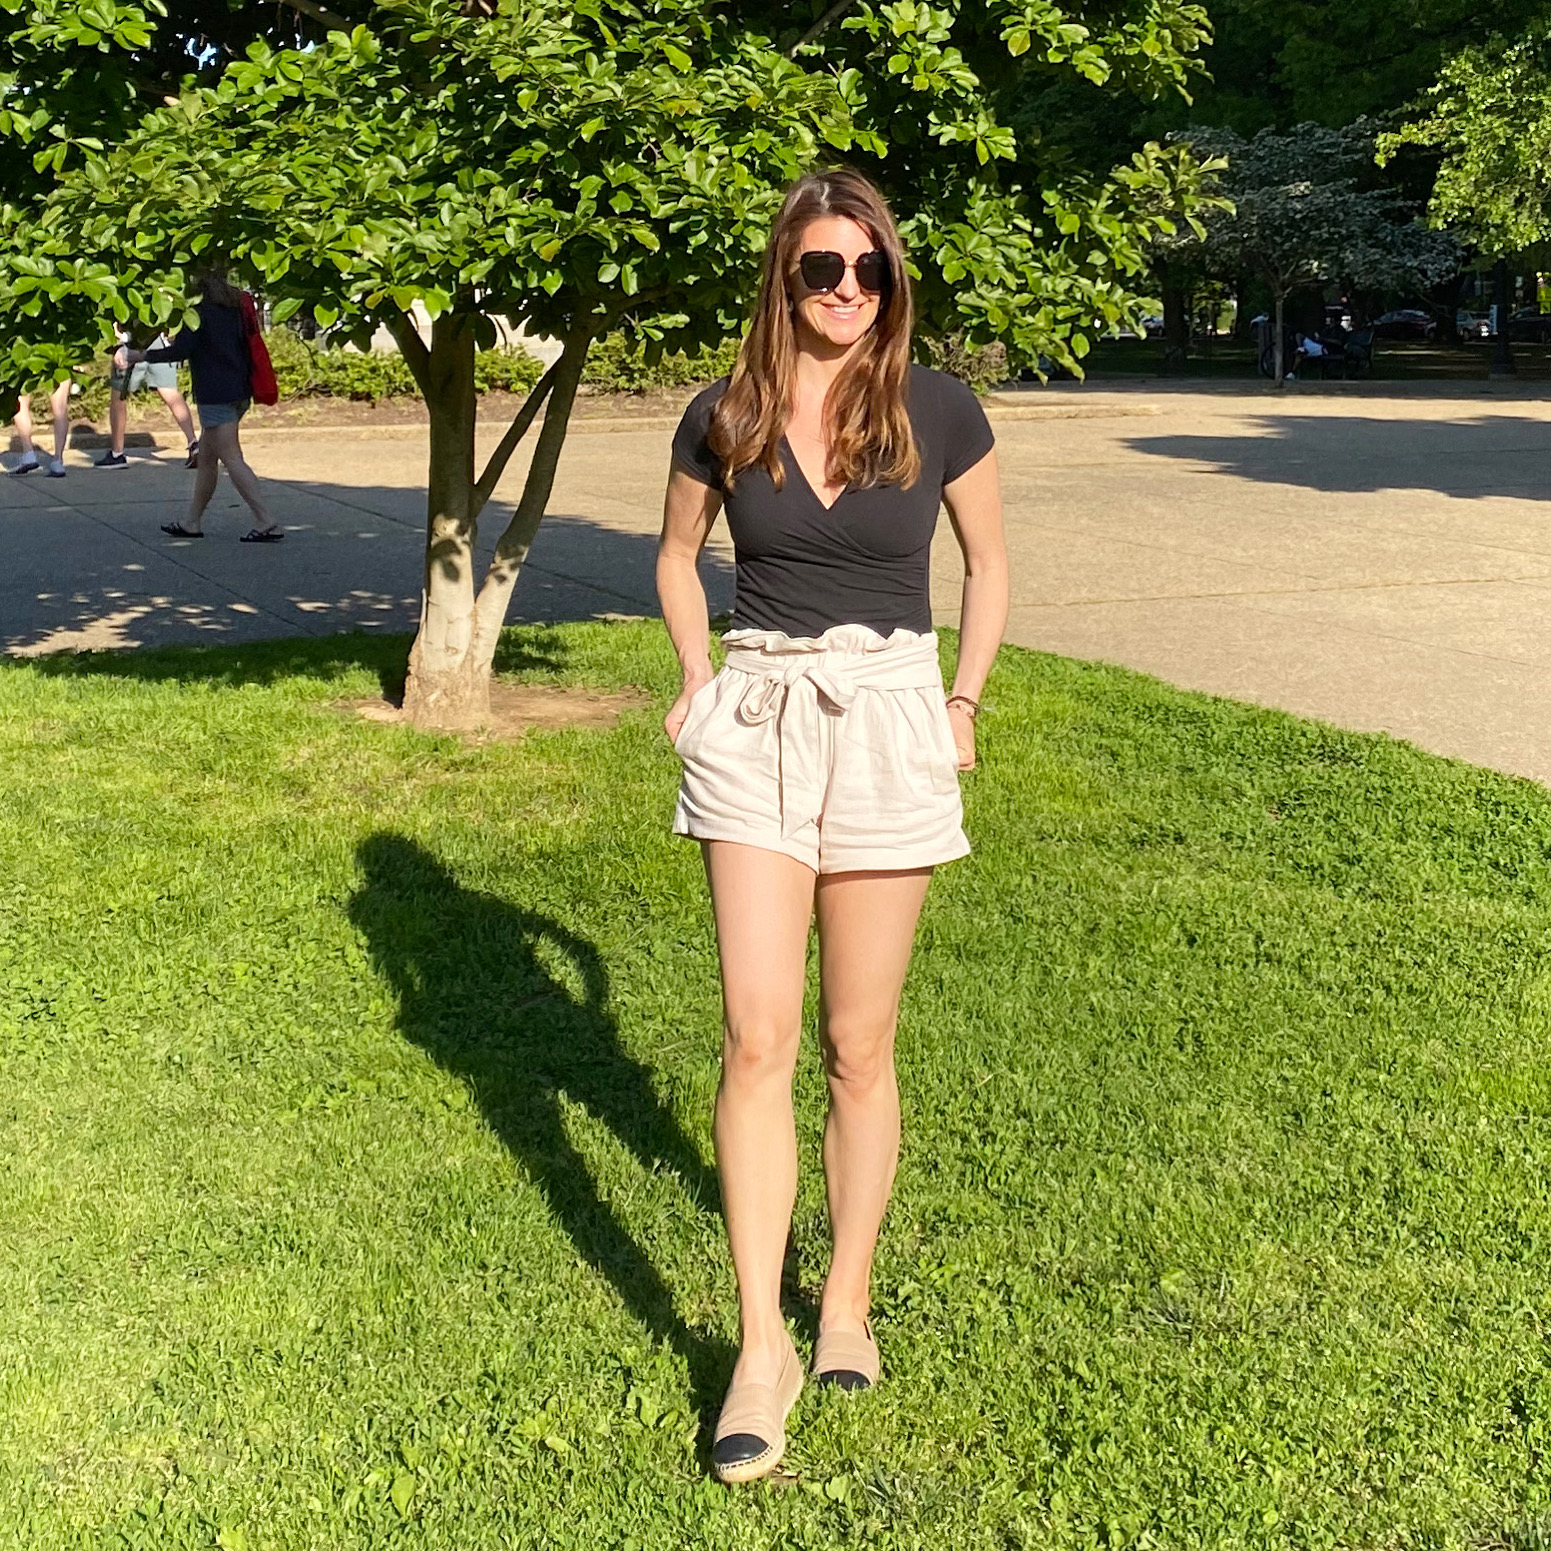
[1380, 558]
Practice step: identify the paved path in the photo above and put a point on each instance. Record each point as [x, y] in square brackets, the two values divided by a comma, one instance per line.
[1378, 559]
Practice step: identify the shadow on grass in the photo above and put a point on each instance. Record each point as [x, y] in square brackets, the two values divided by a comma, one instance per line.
[537, 650]
[478, 991]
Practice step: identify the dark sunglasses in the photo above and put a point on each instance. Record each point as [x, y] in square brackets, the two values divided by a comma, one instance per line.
[822, 271]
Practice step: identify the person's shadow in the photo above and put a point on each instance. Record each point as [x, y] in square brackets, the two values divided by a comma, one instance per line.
[475, 993]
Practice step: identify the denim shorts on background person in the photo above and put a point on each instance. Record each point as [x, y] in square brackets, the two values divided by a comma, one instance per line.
[223, 414]
[143, 374]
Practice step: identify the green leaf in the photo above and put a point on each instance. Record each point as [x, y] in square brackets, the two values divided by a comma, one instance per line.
[402, 1492]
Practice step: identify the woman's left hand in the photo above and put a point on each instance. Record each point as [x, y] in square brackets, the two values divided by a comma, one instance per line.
[963, 725]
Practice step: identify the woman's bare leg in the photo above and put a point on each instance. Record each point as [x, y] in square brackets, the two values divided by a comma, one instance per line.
[206, 476]
[763, 902]
[175, 401]
[229, 449]
[867, 923]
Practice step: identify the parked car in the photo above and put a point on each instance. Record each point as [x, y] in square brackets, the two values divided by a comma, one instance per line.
[1473, 325]
[1153, 326]
[1405, 323]
[1530, 326]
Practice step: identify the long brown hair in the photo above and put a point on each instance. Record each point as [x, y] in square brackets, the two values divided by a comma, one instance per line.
[214, 286]
[870, 440]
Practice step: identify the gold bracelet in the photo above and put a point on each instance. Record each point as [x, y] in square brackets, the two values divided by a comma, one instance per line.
[972, 707]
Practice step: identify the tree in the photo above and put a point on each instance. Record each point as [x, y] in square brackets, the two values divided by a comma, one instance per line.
[67, 83]
[572, 168]
[1301, 217]
[1488, 117]
[76, 77]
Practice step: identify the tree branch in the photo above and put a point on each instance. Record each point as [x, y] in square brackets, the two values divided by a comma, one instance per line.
[822, 25]
[320, 14]
[412, 347]
[512, 547]
[509, 442]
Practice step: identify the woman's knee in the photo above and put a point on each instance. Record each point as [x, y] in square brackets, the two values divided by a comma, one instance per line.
[858, 1054]
[756, 1050]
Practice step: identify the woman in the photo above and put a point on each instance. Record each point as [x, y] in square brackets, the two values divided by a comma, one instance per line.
[217, 353]
[821, 765]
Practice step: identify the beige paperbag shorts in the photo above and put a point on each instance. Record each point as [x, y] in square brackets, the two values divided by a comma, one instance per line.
[833, 749]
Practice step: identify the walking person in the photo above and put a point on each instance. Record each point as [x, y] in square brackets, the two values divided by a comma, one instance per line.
[161, 375]
[59, 408]
[218, 357]
[820, 766]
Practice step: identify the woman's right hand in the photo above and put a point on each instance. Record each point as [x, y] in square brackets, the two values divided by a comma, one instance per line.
[673, 722]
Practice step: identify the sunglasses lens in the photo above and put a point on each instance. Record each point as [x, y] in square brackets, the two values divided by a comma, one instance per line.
[872, 271]
[821, 271]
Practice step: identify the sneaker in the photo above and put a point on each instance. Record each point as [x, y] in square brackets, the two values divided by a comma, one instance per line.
[56, 469]
[112, 460]
[192, 462]
[28, 465]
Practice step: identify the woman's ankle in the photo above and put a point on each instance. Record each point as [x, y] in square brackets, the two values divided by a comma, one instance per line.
[844, 1311]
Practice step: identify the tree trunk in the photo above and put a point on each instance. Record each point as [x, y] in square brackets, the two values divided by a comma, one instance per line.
[495, 595]
[1277, 339]
[439, 690]
[1242, 332]
[1501, 362]
[448, 685]
[1176, 326]
[1446, 298]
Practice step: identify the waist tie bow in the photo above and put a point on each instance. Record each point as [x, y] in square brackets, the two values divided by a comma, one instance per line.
[795, 688]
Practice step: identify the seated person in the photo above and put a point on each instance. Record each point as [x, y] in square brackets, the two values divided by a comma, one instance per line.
[1309, 349]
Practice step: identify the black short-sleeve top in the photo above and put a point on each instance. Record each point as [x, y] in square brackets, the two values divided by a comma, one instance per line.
[865, 560]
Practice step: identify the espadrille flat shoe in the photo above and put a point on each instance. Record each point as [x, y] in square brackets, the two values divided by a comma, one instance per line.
[847, 1359]
[751, 1431]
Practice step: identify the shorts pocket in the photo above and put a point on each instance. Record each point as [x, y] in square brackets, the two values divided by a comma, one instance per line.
[701, 703]
[942, 751]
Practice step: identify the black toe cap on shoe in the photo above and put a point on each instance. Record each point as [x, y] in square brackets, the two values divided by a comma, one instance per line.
[842, 1378]
[738, 1449]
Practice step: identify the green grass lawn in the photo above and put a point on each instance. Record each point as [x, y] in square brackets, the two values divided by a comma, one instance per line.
[354, 1103]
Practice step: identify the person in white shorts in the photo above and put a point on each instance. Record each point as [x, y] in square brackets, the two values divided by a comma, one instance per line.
[161, 375]
[820, 766]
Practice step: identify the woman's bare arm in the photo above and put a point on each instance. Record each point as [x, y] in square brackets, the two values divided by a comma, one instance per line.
[689, 514]
[974, 502]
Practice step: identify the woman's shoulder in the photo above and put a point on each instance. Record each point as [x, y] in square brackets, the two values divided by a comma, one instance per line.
[706, 399]
[696, 419]
[930, 387]
[690, 448]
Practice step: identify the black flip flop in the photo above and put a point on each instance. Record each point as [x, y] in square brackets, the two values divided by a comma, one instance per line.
[178, 531]
[262, 536]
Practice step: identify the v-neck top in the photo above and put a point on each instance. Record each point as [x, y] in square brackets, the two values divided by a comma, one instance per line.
[802, 567]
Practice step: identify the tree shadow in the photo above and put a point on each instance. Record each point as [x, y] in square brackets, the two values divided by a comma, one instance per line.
[478, 990]
[89, 570]
[1467, 458]
[273, 662]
